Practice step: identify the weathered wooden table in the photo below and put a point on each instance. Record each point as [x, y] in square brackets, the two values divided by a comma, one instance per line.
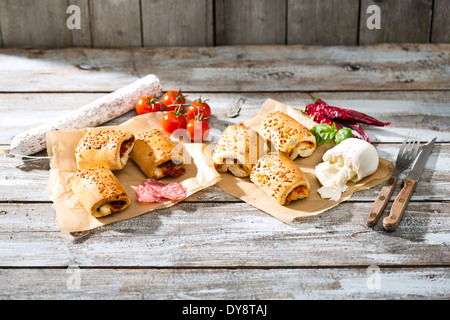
[213, 246]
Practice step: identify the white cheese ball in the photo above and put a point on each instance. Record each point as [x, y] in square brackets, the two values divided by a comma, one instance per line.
[351, 160]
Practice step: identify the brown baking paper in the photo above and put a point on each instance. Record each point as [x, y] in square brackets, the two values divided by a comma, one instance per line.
[71, 215]
[245, 190]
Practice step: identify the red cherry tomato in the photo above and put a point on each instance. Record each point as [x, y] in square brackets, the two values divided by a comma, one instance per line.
[148, 104]
[173, 121]
[198, 107]
[198, 130]
[172, 100]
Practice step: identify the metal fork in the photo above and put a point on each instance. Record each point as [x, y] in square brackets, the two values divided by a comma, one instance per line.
[406, 155]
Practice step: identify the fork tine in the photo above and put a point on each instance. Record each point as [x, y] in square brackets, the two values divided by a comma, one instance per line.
[416, 148]
[412, 147]
[402, 148]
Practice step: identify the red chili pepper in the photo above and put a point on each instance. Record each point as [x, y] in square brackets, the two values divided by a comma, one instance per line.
[319, 118]
[357, 128]
[321, 107]
[344, 114]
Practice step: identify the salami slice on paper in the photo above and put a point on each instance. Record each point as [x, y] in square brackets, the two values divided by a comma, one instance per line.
[174, 191]
[154, 191]
[150, 191]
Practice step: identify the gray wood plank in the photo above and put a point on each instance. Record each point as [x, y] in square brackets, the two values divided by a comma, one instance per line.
[82, 37]
[115, 23]
[402, 21]
[1, 36]
[177, 23]
[258, 284]
[440, 32]
[250, 22]
[230, 69]
[34, 23]
[322, 22]
[227, 235]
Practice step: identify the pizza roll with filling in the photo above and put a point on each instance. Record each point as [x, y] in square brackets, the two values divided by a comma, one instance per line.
[279, 177]
[99, 191]
[157, 155]
[104, 147]
[288, 135]
[237, 150]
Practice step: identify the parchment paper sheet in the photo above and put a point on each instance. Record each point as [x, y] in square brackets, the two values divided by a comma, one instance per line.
[245, 190]
[71, 215]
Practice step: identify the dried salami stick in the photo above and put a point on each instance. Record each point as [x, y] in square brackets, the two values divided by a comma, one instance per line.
[93, 114]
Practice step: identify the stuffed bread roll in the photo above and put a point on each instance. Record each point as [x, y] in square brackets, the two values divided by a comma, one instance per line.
[237, 150]
[280, 178]
[157, 155]
[104, 147]
[288, 135]
[99, 191]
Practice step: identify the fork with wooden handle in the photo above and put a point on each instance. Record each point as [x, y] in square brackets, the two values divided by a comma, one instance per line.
[406, 156]
[391, 222]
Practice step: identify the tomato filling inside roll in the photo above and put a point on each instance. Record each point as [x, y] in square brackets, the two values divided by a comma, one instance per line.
[297, 193]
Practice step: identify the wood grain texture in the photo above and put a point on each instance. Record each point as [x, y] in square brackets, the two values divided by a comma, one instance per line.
[229, 68]
[257, 284]
[34, 23]
[226, 235]
[381, 201]
[440, 32]
[115, 23]
[402, 21]
[177, 23]
[81, 37]
[399, 206]
[322, 22]
[251, 22]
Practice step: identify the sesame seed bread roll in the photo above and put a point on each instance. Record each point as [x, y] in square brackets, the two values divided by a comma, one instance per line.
[237, 150]
[154, 153]
[104, 147]
[288, 135]
[280, 178]
[99, 191]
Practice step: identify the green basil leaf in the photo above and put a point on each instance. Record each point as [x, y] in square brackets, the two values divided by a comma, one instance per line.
[343, 134]
[324, 133]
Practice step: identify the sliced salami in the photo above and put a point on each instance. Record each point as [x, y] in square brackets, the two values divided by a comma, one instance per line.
[150, 191]
[174, 191]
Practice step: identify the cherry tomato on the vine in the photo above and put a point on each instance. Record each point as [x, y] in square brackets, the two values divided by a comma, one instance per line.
[172, 100]
[148, 104]
[198, 130]
[174, 120]
[198, 107]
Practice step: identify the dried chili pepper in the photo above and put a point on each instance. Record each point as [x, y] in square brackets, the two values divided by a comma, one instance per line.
[320, 118]
[357, 128]
[332, 113]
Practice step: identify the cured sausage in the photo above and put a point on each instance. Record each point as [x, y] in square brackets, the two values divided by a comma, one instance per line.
[174, 191]
[154, 191]
[91, 115]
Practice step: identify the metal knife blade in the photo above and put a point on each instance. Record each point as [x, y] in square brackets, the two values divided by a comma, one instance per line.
[421, 160]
